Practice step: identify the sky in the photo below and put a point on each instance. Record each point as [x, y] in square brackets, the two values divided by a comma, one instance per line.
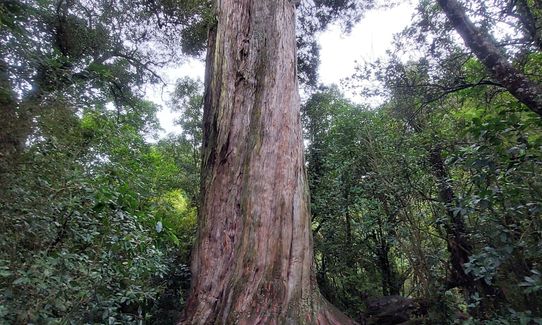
[339, 55]
[368, 41]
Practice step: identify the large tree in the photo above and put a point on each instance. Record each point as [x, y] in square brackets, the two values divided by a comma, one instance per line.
[253, 260]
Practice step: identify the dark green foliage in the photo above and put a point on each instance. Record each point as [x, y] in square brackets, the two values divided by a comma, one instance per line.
[79, 218]
[442, 177]
[353, 214]
[380, 227]
[94, 218]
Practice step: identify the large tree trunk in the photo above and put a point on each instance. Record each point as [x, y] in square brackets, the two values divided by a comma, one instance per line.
[525, 90]
[253, 261]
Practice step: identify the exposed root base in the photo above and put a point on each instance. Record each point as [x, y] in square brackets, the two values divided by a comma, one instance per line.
[323, 313]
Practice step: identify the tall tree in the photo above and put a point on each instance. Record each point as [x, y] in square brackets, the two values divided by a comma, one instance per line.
[253, 260]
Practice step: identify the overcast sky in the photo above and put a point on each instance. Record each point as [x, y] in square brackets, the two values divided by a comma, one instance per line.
[368, 41]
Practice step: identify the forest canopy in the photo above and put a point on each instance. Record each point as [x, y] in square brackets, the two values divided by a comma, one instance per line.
[424, 209]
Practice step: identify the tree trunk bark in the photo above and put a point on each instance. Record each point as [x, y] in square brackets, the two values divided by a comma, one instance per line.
[253, 260]
[525, 90]
[458, 246]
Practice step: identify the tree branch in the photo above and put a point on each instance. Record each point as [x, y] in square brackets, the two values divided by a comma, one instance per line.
[525, 90]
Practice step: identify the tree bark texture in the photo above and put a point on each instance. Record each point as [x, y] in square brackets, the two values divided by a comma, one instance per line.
[525, 90]
[253, 261]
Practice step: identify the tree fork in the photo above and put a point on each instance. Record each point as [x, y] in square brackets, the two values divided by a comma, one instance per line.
[253, 260]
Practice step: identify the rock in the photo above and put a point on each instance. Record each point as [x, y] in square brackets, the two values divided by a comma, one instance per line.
[392, 310]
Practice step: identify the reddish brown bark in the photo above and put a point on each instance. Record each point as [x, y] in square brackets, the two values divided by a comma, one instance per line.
[253, 260]
[525, 90]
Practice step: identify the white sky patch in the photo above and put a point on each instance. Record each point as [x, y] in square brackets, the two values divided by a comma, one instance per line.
[161, 94]
[367, 42]
[339, 54]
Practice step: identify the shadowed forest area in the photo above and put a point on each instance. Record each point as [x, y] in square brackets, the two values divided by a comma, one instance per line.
[425, 206]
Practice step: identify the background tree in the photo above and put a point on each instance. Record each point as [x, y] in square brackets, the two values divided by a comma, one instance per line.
[524, 89]
[93, 216]
[430, 98]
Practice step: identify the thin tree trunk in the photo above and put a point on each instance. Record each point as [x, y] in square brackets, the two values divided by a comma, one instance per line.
[389, 272]
[458, 245]
[388, 285]
[14, 126]
[525, 90]
[531, 20]
[253, 260]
